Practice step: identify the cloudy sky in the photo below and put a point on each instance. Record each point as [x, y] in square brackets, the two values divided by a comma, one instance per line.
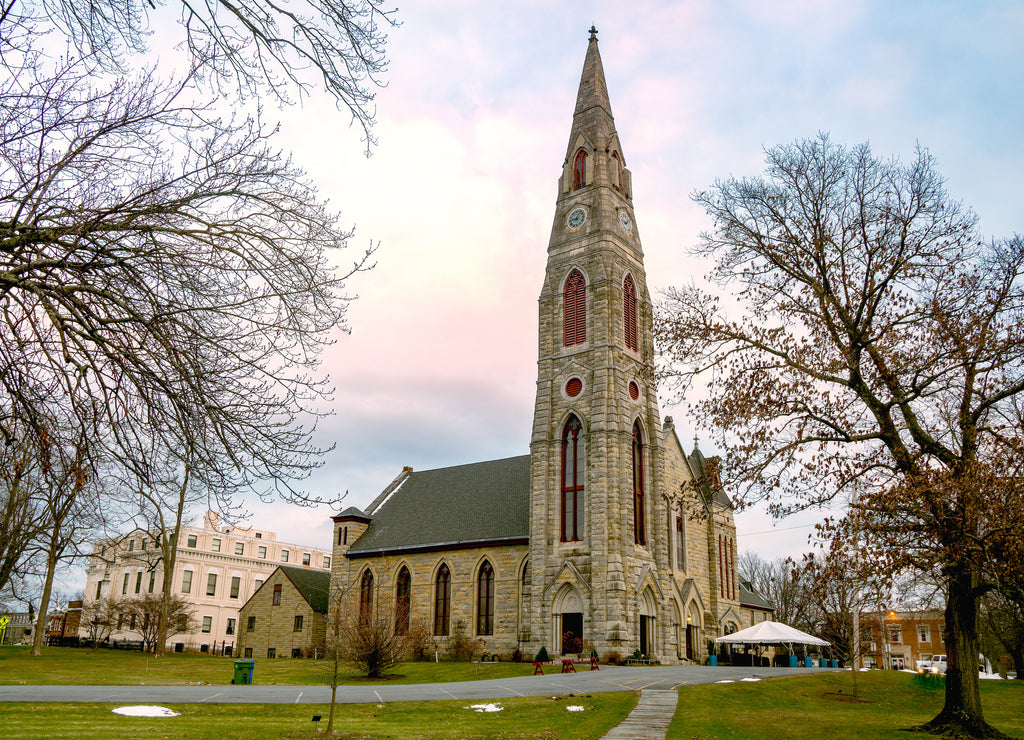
[440, 365]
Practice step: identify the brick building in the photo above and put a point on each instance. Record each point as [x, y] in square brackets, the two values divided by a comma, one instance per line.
[599, 537]
[897, 640]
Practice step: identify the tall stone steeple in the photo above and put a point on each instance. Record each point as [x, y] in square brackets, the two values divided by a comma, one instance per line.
[596, 448]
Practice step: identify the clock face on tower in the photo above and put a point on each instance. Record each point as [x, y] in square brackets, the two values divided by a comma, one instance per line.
[576, 218]
[627, 223]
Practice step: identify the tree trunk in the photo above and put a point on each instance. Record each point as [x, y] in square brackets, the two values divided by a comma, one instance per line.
[1018, 662]
[961, 714]
[169, 545]
[44, 602]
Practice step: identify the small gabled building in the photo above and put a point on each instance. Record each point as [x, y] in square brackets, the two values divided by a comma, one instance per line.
[287, 616]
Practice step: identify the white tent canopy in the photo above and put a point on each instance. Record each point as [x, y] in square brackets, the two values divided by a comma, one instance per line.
[771, 633]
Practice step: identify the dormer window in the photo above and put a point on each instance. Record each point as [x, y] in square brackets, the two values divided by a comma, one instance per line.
[579, 170]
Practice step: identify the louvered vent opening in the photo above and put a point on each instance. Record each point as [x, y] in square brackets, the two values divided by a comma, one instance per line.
[629, 304]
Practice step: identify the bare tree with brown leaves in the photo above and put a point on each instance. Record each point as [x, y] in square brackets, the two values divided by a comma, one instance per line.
[868, 337]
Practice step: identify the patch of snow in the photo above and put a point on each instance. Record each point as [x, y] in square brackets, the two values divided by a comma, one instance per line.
[990, 676]
[864, 670]
[750, 679]
[575, 709]
[486, 707]
[725, 680]
[144, 710]
[907, 670]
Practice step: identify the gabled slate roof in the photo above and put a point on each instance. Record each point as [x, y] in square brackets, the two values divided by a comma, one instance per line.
[750, 597]
[312, 584]
[698, 468]
[462, 506]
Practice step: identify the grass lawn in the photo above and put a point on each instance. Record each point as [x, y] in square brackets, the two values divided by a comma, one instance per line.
[544, 718]
[821, 706]
[121, 667]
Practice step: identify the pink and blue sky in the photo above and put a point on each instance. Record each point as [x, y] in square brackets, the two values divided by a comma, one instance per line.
[440, 366]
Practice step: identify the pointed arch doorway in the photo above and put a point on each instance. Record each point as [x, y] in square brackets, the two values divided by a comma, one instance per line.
[568, 619]
[648, 610]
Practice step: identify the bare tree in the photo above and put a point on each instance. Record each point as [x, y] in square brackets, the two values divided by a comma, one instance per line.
[168, 273]
[876, 341]
[781, 582]
[99, 619]
[21, 518]
[70, 505]
[150, 609]
[254, 46]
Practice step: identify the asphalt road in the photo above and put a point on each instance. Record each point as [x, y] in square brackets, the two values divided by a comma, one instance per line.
[608, 678]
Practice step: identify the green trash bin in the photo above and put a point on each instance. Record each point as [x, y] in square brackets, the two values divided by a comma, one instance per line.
[243, 671]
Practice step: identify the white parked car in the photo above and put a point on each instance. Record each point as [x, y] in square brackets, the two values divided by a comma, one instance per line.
[935, 664]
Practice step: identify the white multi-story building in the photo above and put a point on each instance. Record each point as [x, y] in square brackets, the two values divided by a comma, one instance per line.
[217, 569]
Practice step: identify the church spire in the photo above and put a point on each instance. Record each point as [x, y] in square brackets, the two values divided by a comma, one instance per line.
[593, 92]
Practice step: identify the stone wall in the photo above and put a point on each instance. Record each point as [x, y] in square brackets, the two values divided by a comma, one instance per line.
[464, 565]
[275, 625]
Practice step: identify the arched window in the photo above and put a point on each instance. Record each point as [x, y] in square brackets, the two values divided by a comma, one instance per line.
[629, 312]
[575, 309]
[442, 600]
[573, 469]
[639, 530]
[579, 170]
[403, 597]
[485, 600]
[366, 597]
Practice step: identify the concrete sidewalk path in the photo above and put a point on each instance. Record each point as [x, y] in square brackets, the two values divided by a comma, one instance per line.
[650, 719]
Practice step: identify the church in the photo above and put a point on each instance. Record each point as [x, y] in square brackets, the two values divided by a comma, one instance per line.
[607, 536]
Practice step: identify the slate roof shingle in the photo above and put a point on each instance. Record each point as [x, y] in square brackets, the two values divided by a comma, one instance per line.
[451, 507]
[311, 583]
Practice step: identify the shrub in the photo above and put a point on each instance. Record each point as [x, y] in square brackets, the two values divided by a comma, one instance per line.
[542, 656]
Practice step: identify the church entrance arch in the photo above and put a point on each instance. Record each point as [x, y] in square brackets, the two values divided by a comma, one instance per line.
[648, 609]
[692, 631]
[568, 620]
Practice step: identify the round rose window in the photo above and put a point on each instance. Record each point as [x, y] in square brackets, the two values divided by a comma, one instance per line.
[634, 390]
[573, 387]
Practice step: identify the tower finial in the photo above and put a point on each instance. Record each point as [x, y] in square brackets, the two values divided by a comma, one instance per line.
[593, 32]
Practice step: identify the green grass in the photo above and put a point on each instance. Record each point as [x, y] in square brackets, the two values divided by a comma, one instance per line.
[121, 667]
[821, 706]
[435, 720]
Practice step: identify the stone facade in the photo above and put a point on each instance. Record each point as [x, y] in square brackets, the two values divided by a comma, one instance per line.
[285, 626]
[633, 549]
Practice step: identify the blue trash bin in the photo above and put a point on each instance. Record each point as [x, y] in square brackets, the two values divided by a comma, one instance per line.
[712, 660]
[833, 662]
[808, 661]
[822, 662]
[793, 661]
